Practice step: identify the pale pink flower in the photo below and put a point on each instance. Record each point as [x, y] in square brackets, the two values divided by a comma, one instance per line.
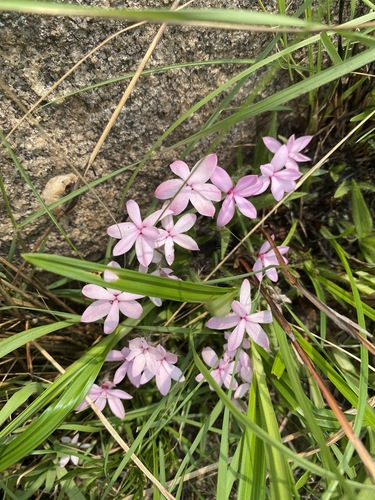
[282, 179]
[110, 302]
[142, 233]
[267, 257]
[172, 233]
[243, 320]
[143, 355]
[72, 442]
[245, 370]
[294, 147]
[244, 345]
[167, 372]
[106, 393]
[125, 368]
[192, 186]
[248, 185]
[223, 369]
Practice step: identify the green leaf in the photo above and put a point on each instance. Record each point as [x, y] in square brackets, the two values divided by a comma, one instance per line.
[19, 339]
[129, 281]
[361, 214]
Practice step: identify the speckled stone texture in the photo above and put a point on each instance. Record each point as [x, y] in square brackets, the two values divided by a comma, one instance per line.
[37, 51]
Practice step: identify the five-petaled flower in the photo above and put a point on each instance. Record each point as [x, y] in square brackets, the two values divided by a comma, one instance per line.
[143, 355]
[282, 179]
[109, 303]
[248, 185]
[104, 393]
[73, 443]
[141, 232]
[294, 147]
[243, 320]
[192, 186]
[172, 233]
[267, 257]
[223, 369]
[167, 371]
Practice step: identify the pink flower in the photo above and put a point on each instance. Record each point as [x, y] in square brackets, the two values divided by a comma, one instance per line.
[105, 393]
[267, 257]
[242, 319]
[143, 233]
[167, 372]
[294, 147]
[172, 233]
[73, 442]
[125, 368]
[143, 355]
[223, 371]
[245, 187]
[246, 373]
[110, 302]
[192, 186]
[282, 179]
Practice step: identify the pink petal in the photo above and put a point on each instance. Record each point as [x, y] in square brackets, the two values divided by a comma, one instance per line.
[117, 407]
[144, 250]
[208, 191]
[64, 460]
[131, 309]
[239, 309]
[247, 186]
[139, 363]
[209, 356]
[168, 189]
[118, 393]
[258, 335]
[185, 241]
[280, 158]
[236, 337]
[223, 323]
[120, 230]
[226, 212]
[300, 144]
[121, 373]
[180, 202]
[169, 250]
[272, 274]
[163, 382]
[202, 204]
[267, 171]
[277, 189]
[112, 319]
[134, 213]
[220, 178]
[97, 292]
[180, 169]
[96, 310]
[125, 244]
[74, 459]
[101, 402]
[258, 266]
[245, 294]
[185, 223]
[204, 169]
[261, 317]
[246, 207]
[272, 144]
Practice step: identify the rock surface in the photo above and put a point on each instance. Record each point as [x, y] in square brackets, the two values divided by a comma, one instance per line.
[61, 134]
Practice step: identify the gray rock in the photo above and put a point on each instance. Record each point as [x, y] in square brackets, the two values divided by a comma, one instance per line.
[58, 140]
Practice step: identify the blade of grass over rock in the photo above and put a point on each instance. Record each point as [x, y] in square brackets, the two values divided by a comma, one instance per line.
[229, 18]
[286, 95]
[130, 281]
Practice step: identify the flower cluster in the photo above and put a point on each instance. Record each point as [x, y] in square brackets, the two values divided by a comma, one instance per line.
[154, 239]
